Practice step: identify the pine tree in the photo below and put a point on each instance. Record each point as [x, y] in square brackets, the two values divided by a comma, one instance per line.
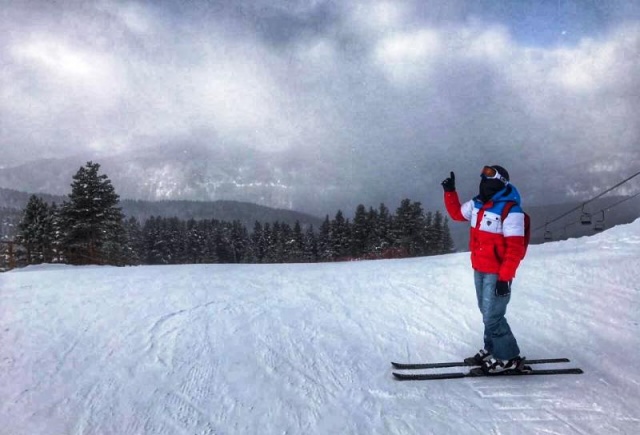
[384, 229]
[194, 242]
[285, 242]
[372, 243]
[238, 241]
[258, 242]
[208, 233]
[277, 248]
[34, 230]
[408, 228]
[135, 240]
[231, 240]
[91, 219]
[325, 247]
[447, 241]
[175, 246]
[339, 236]
[151, 233]
[268, 244]
[443, 242]
[438, 231]
[161, 249]
[310, 246]
[296, 251]
[54, 225]
[429, 235]
[115, 249]
[360, 232]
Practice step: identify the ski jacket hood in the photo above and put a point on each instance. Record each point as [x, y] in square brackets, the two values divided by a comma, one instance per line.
[508, 194]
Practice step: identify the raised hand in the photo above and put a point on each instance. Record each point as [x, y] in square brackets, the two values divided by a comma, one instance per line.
[449, 184]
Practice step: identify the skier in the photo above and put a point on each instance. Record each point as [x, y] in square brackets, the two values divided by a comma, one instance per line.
[496, 250]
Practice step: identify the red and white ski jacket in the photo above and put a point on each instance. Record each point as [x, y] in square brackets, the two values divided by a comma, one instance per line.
[496, 246]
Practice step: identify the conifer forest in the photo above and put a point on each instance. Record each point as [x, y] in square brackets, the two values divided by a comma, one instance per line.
[90, 228]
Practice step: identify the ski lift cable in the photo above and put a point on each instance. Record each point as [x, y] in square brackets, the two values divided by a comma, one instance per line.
[600, 223]
[587, 202]
[620, 202]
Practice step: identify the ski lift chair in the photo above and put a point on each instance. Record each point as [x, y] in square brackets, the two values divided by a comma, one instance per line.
[599, 225]
[585, 218]
[547, 234]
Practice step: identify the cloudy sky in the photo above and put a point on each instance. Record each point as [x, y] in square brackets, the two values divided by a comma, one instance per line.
[394, 94]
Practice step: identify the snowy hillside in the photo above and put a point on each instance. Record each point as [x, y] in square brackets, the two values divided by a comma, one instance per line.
[196, 172]
[305, 349]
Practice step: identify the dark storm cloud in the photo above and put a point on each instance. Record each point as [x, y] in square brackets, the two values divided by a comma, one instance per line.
[390, 96]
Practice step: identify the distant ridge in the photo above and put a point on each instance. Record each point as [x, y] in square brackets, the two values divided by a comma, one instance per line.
[223, 210]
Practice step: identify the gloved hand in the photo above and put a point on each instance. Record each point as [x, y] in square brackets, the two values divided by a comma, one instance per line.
[449, 184]
[503, 288]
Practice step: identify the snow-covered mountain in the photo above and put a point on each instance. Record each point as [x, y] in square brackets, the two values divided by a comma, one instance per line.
[305, 349]
[191, 172]
[12, 204]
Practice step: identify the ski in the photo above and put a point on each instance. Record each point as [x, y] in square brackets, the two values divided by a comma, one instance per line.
[402, 366]
[477, 373]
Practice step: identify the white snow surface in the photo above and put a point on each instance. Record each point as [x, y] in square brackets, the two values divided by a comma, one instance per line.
[305, 348]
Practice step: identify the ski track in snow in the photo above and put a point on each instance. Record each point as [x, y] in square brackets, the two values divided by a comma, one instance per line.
[305, 349]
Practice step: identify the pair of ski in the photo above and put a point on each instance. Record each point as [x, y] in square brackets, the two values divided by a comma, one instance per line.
[477, 371]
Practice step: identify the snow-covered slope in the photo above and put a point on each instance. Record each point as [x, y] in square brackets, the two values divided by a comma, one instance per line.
[305, 349]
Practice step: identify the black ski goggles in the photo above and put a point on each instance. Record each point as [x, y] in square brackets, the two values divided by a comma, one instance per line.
[491, 173]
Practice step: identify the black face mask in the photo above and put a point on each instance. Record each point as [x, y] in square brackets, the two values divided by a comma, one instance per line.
[488, 188]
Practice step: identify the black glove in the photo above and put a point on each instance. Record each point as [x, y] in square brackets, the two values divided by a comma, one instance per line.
[503, 288]
[449, 184]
